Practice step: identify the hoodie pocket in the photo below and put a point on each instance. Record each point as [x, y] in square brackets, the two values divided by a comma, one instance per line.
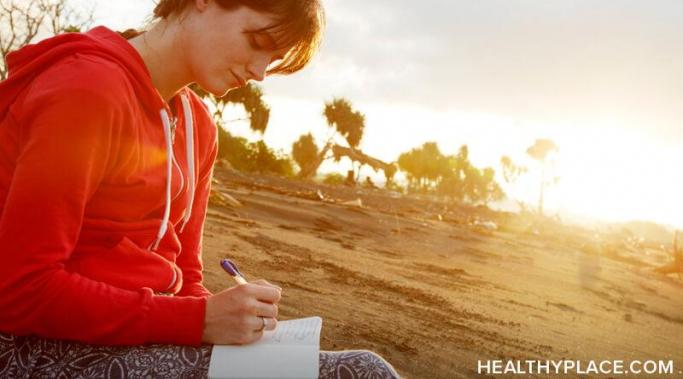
[127, 266]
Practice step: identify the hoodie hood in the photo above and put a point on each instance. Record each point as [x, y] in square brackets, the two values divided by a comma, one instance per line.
[28, 62]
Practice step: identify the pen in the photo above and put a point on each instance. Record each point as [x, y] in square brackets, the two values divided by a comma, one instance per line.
[232, 269]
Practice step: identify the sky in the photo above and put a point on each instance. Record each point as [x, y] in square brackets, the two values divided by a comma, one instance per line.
[602, 79]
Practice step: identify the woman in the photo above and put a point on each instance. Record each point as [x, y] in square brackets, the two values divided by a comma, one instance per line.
[105, 168]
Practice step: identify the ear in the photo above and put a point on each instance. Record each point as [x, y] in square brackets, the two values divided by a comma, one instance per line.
[201, 5]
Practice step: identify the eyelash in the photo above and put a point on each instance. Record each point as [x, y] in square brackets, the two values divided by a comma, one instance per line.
[254, 44]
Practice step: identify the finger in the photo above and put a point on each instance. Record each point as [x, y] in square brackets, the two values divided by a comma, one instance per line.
[271, 324]
[264, 282]
[266, 310]
[259, 323]
[264, 293]
[255, 336]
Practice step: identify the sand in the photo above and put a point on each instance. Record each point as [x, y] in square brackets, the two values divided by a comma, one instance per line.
[416, 279]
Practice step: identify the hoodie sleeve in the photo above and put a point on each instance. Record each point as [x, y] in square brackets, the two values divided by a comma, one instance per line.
[65, 145]
[190, 259]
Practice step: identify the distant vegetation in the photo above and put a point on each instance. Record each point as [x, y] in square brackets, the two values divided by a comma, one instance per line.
[253, 156]
[428, 170]
[425, 167]
[334, 178]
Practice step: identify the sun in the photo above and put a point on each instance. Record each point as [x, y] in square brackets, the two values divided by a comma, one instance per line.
[613, 175]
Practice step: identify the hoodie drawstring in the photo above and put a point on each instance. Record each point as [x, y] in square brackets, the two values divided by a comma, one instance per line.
[189, 146]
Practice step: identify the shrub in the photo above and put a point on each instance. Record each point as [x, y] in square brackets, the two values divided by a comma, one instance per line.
[252, 156]
[334, 178]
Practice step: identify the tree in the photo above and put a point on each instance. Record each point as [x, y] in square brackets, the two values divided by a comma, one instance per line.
[435, 163]
[408, 163]
[21, 22]
[511, 171]
[427, 169]
[540, 151]
[348, 123]
[251, 98]
[460, 163]
[305, 152]
[541, 148]
[389, 173]
[456, 183]
[244, 155]
[424, 166]
[483, 187]
[266, 160]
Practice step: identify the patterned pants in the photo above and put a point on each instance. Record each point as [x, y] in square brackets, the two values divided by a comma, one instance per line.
[32, 357]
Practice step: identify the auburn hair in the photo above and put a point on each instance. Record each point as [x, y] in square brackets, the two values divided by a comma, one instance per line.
[298, 27]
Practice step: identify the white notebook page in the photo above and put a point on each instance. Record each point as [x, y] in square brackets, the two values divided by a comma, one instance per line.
[290, 351]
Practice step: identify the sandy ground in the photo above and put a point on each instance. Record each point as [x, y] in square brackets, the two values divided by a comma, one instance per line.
[416, 280]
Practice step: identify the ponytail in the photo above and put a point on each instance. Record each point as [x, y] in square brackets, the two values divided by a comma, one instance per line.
[130, 33]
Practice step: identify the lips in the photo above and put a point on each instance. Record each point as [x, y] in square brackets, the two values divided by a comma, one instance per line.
[239, 79]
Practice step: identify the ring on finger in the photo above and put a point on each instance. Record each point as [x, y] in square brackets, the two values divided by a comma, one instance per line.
[265, 324]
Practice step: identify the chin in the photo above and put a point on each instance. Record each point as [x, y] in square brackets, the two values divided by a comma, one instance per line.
[222, 92]
[217, 88]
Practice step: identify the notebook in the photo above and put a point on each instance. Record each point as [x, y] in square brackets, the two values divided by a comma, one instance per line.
[290, 351]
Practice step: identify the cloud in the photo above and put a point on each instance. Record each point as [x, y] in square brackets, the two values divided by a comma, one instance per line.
[582, 62]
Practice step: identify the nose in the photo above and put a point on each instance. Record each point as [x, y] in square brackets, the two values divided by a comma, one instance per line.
[256, 73]
[257, 69]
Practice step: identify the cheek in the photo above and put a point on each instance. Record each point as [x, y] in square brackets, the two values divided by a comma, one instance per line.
[213, 56]
[234, 48]
[209, 75]
[207, 63]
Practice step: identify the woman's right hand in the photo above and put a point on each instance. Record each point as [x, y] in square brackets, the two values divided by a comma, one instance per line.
[234, 316]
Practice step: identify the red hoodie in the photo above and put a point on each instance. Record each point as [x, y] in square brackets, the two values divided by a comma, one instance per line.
[85, 143]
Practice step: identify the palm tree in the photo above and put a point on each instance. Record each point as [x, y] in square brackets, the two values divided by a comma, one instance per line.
[349, 123]
[540, 151]
[250, 96]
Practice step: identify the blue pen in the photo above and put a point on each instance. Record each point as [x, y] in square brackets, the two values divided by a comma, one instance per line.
[232, 269]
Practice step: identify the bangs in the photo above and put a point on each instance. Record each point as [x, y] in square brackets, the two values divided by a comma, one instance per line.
[298, 30]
